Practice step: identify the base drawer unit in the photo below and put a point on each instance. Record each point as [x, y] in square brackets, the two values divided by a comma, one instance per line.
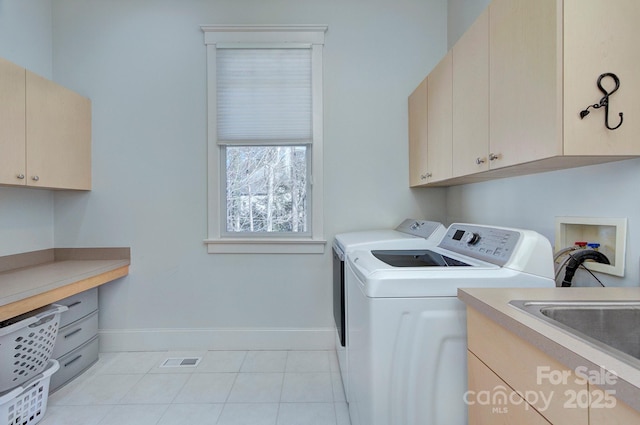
[74, 363]
[76, 347]
[75, 334]
[79, 305]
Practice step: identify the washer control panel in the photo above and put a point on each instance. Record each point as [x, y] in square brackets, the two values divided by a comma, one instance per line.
[491, 244]
[419, 228]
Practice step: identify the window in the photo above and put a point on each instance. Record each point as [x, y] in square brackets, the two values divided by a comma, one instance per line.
[265, 138]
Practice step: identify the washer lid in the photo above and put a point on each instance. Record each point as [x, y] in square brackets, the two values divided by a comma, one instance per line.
[416, 258]
[363, 240]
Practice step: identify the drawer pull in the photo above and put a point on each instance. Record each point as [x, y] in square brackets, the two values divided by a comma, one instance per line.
[74, 304]
[75, 359]
[73, 333]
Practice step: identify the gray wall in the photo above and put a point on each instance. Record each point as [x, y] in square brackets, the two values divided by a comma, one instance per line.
[607, 190]
[143, 65]
[26, 215]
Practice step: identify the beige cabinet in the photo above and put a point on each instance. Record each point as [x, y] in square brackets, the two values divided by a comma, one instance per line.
[606, 409]
[513, 382]
[525, 75]
[544, 61]
[601, 37]
[430, 126]
[439, 120]
[45, 139]
[58, 136]
[546, 383]
[12, 124]
[418, 135]
[471, 99]
[491, 401]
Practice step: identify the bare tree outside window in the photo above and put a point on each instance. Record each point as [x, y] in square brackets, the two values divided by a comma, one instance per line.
[266, 189]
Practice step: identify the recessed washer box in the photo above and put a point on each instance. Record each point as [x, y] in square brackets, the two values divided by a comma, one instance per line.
[610, 233]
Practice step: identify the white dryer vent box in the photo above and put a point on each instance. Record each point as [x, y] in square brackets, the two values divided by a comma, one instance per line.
[610, 233]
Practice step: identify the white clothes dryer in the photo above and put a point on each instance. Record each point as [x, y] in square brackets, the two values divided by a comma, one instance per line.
[410, 234]
[407, 329]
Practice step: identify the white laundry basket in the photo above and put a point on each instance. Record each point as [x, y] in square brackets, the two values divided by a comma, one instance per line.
[26, 343]
[26, 404]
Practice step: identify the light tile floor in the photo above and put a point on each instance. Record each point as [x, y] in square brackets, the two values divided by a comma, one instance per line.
[226, 388]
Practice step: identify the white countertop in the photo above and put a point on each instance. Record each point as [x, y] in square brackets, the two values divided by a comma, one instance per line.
[566, 348]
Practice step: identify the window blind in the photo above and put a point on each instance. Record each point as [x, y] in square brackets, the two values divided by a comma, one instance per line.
[263, 95]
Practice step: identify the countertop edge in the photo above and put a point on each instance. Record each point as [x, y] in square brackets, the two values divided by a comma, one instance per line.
[87, 268]
[625, 391]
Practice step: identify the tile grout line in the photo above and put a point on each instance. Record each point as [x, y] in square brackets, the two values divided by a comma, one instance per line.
[284, 374]
[235, 379]
[189, 373]
[333, 391]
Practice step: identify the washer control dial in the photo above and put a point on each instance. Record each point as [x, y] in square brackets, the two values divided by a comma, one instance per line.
[472, 238]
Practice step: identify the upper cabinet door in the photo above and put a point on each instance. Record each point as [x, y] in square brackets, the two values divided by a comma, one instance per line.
[526, 88]
[440, 124]
[12, 124]
[58, 136]
[601, 37]
[418, 135]
[471, 99]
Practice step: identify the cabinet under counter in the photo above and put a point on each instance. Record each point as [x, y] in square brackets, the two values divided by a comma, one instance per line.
[531, 356]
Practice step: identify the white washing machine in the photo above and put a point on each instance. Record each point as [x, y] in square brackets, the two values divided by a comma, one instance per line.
[410, 234]
[407, 329]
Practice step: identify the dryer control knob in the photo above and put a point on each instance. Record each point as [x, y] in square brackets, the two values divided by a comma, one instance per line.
[472, 238]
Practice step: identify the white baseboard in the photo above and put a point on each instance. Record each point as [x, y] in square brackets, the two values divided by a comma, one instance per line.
[216, 339]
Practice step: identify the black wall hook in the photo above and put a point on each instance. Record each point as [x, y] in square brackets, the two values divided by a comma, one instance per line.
[605, 100]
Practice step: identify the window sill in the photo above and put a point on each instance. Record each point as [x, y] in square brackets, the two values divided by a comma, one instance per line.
[265, 246]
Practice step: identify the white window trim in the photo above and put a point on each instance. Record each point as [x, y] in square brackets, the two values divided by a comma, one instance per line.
[264, 36]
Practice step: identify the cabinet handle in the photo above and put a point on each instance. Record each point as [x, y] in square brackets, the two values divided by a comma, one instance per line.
[35, 178]
[480, 160]
[425, 176]
[75, 359]
[73, 333]
[493, 156]
[73, 304]
[20, 176]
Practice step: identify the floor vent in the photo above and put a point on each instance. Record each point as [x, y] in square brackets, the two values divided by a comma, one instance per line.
[181, 362]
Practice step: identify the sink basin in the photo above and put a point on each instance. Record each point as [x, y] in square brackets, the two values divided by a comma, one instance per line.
[611, 326]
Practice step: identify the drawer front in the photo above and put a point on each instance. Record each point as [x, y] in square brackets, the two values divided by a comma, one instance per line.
[74, 363]
[527, 369]
[75, 334]
[482, 411]
[79, 306]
